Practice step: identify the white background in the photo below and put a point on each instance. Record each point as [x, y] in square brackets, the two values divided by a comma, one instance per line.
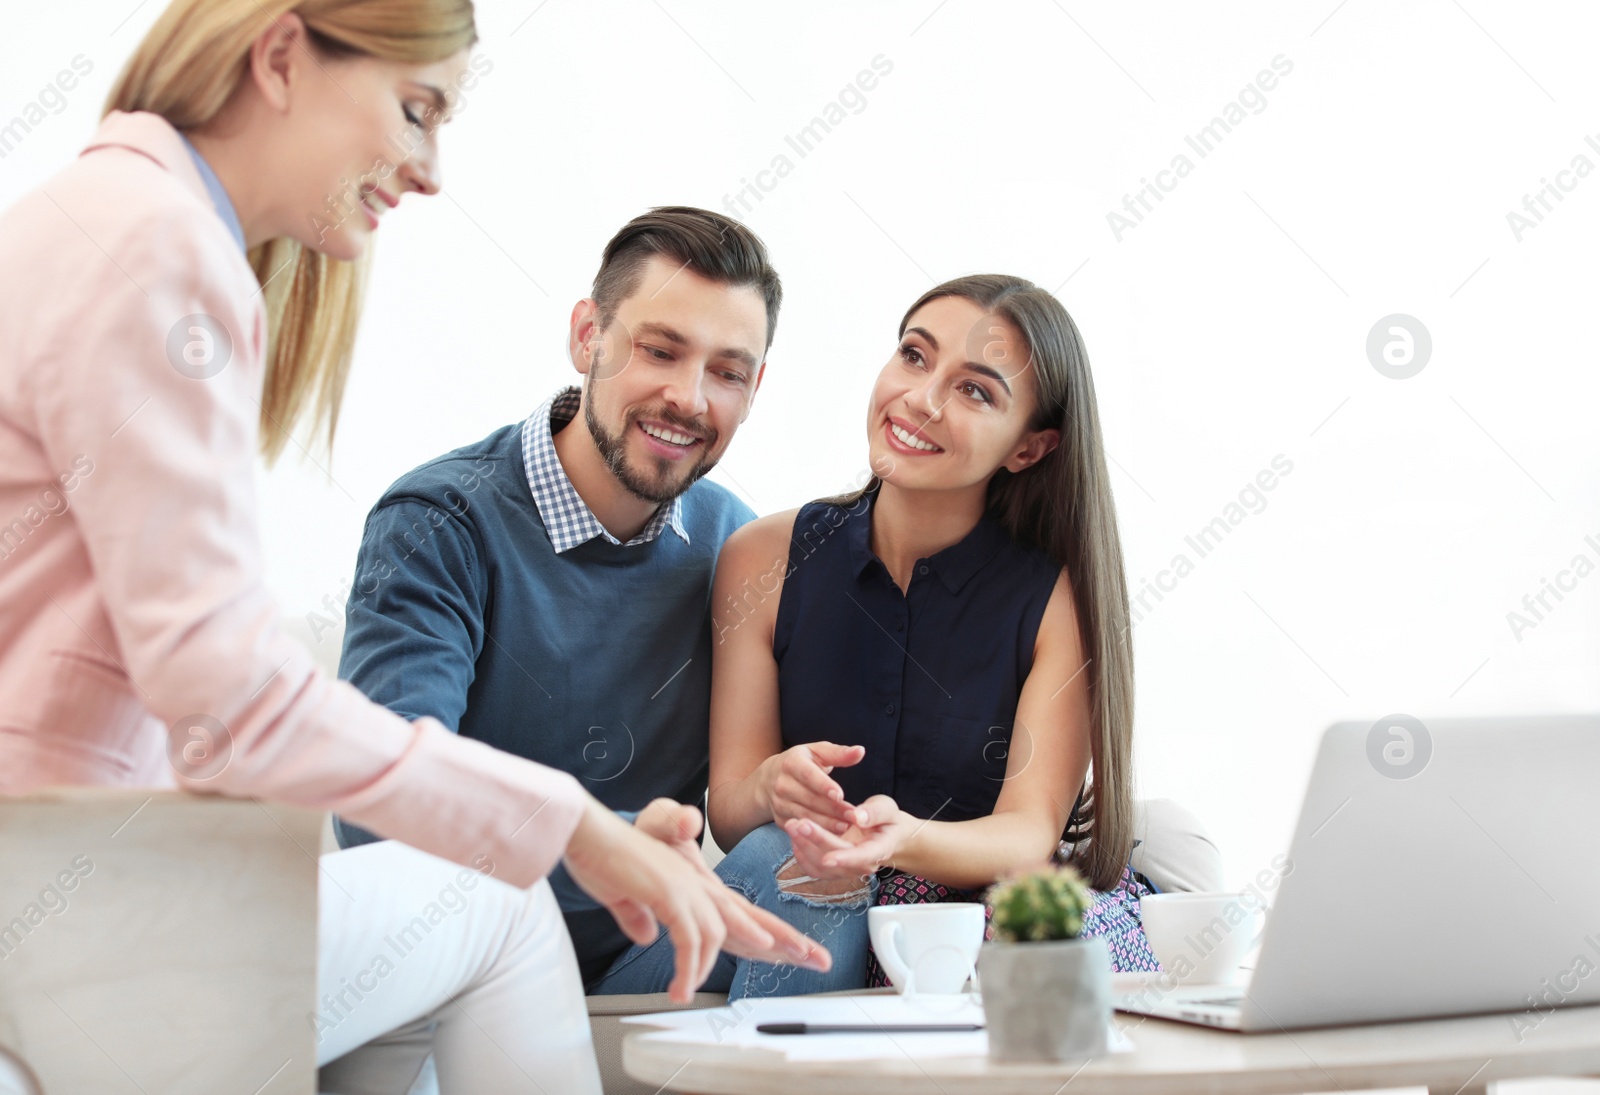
[1227, 328]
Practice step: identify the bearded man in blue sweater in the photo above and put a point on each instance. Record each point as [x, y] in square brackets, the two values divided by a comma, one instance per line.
[546, 589]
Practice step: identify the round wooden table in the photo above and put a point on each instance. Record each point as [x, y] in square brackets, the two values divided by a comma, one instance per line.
[1447, 1056]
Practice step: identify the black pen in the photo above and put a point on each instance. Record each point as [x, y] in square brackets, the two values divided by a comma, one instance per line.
[863, 1028]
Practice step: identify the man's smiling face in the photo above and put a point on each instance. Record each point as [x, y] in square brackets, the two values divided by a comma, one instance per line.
[671, 376]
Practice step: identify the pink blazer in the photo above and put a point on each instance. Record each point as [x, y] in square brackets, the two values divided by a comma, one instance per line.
[131, 593]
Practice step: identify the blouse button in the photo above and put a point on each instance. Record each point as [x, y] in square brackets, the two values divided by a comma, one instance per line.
[923, 569]
[888, 709]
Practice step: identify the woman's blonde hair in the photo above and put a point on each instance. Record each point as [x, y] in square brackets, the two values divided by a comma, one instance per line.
[187, 68]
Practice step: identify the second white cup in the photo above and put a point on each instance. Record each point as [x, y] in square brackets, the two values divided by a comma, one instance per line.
[1202, 937]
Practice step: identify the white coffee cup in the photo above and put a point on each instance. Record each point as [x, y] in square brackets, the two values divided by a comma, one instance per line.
[1201, 938]
[927, 948]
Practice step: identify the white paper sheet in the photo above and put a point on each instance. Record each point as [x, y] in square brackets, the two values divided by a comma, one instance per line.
[735, 1025]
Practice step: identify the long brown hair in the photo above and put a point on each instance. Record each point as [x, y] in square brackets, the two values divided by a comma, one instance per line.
[187, 68]
[1063, 506]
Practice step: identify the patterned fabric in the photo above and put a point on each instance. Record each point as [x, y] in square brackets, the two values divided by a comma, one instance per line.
[568, 519]
[1114, 917]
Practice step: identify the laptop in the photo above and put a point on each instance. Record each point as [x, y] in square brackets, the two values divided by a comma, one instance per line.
[1439, 867]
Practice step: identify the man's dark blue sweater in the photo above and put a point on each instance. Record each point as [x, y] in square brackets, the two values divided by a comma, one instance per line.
[596, 661]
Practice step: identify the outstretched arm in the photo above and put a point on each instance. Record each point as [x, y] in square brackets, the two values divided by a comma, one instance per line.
[168, 525]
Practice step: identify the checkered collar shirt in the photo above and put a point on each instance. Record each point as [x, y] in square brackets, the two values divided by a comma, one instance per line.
[567, 517]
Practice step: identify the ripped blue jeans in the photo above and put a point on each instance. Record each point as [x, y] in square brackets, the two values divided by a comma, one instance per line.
[752, 868]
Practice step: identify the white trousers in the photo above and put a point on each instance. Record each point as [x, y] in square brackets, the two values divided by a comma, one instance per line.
[419, 955]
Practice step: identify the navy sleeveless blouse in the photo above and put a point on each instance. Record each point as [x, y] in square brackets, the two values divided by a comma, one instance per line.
[928, 680]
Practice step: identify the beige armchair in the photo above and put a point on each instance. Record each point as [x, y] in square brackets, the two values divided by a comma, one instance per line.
[157, 941]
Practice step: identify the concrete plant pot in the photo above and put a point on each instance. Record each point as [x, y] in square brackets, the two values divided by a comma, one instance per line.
[1046, 1001]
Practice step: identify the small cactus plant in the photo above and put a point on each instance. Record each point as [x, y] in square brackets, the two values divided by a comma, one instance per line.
[1040, 906]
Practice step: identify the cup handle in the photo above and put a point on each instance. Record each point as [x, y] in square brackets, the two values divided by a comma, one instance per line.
[1266, 911]
[1261, 931]
[889, 958]
[972, 969]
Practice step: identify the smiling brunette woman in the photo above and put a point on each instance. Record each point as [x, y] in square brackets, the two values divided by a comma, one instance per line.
[193, 277]
[954, 635]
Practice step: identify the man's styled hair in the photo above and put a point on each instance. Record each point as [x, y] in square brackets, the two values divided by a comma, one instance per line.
[714, 246]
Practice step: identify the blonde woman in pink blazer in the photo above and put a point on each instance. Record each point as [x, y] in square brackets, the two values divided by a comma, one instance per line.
[171, 303]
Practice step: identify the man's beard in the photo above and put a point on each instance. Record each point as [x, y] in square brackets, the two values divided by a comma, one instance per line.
[614, 450]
